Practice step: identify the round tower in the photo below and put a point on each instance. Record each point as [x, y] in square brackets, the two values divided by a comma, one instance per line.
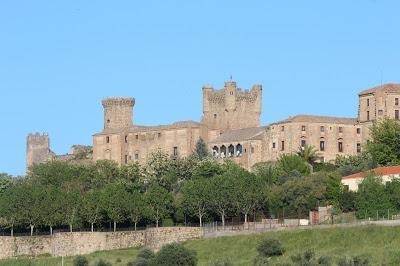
[118, 112]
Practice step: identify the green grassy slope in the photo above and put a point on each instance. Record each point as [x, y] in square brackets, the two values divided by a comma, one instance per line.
[379, 244]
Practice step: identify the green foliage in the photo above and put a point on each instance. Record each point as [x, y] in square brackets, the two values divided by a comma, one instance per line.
[222, 262]
[352, 164]
[221, 195]
[305, 259]
[102, 262]
[372, 197]
[201, 150]
[146, 254]
[208, 168]
[309, 154]
[290, 163]
[175, 255]
[354, 261]
[81, 261]
[5, 182]
[92, 207]
[114, 200]
[385, 142]
[159, 202]
[347, 201]
[269, 247]
[324, 167]
[136, 207]
[267, 172]
[195, 198]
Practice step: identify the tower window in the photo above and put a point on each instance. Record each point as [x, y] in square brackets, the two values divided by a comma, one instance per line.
[303, 128]
[340, 146]
[175, 151]
[367, 102]
[126, 159]
[231, 92]
[380, 112]
[273, 145]
[358, 130]
[396, 101]
[126, 139]
[215, 116]
[282, 145]
[303, 143]
[108, 121]
[107, 139]
[282, 128]
[340, 129]
[136, 156]
[322, 128]
[159, 134]
[322, 145]
[358, 147]
[367, 115]
[136, 136]
[396, 114]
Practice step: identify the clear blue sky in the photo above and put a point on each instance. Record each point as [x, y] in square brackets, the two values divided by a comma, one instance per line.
[58, 59]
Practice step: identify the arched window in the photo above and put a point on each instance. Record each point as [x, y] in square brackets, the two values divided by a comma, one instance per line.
[215, 151]
[239, 150]
[223, 151]
[231, 150]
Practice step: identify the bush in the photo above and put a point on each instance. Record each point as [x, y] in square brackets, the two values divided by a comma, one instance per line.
[221, 262]
[168, 222]
[81, 261]
[324, 260]
[103, 263]
[303, 259]
[146, 254]
[355, 261]
[270, 247]
[175, 255]
[140, 262]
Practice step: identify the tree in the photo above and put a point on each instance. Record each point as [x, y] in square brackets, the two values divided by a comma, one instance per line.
[201, 150]
[91, 207]
[114, 201]
[372, 197]
[157, 166]
[72, 206]
[385, 142]
[289, 163]
[136, 207]
[10, 200]
[267, 172]
[208, 168]
[175, 255]
[51, 207]
[352, 164]
[222, 193]
[159, 202]
[196, 198]
[5, 182]
[309, 154]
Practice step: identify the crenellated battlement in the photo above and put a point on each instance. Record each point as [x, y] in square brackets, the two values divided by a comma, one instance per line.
[111, 101]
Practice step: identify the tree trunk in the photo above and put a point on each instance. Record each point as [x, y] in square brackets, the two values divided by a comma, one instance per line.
[223, 221]
[91, 227]
[135, 226]
[245, 218]
[157, 224]
[201, 224]
[12, 230]
[70, 228]
[51, 230]
[115, 226]
[31, 229]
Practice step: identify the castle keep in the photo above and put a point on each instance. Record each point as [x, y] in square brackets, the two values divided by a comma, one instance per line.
[230, 125]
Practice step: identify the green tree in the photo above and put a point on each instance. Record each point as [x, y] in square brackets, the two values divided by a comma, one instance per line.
[136, 207]
[351, 164]
[175, 255]
[158, 165]
[91, 207]
[385, 142]
[289, 163]
[5, 182]
[196, 198]
[372, 197]
[207, 168]
[10, 202]
[201, 150]
[222, 193]
[309, 154]
[72, 207]
[159, 202]
[51, 207]
[267, 172]
[114, 201]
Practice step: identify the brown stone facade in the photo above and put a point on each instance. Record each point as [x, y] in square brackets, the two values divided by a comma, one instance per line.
[230, 125]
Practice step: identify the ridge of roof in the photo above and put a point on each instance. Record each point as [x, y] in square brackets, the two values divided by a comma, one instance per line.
[387, 87]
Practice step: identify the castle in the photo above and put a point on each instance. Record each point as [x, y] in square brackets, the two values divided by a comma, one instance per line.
[231, 127]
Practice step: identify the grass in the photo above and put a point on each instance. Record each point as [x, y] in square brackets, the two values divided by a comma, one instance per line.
[379, 244]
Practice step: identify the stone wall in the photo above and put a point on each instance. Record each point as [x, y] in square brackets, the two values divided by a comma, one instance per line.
[71, 244]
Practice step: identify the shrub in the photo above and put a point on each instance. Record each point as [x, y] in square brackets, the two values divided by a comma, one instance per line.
[175, 255]
[354, 261]
[140, 262]
[118, 260]
[146, 254]
[103, 263]
[303, 259]
[81, 261]
[324, 260]
[168, 222]
[270, 247]
[221, 262]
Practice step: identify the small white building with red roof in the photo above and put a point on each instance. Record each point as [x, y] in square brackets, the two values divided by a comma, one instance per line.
[387, 174]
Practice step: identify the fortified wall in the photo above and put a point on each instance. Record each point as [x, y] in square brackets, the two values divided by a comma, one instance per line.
[78, 243]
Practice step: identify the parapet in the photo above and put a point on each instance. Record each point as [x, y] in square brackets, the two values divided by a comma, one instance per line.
[112, 101]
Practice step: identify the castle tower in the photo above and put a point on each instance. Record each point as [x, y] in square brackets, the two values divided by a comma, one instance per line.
[118, 112]
[37, 149]
[231, 107]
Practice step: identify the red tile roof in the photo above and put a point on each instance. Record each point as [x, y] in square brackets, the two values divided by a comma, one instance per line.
[389, 170]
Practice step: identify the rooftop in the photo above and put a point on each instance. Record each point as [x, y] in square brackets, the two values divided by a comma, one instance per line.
[388, 88]
[318, 119]
[240, 134]
[389, 170]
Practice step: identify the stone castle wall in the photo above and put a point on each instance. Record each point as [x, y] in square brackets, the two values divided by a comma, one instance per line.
[71, 244]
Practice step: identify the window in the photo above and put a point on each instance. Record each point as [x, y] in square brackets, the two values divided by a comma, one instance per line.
[108, 121]
[282, 128]
[159, 134]
[303, 128]
[303, 143]
[107, 139]
[396, 101]
[137, 136]
[358, 130]
[126, 159]
[231, 92]
[340, 129]
[126, 139]
[175, 151]
[136, 156]
[273, 145]
[367, 115]
[340, 146]
[215, 115]
[396, 114]
[367, 102]
[322, 128]
[380, 112]
[322, 145]
[282, 145]
[358, 147]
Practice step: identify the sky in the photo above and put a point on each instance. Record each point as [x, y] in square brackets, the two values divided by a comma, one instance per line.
[58, 59]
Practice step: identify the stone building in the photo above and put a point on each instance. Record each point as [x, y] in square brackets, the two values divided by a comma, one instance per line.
[231, 127]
